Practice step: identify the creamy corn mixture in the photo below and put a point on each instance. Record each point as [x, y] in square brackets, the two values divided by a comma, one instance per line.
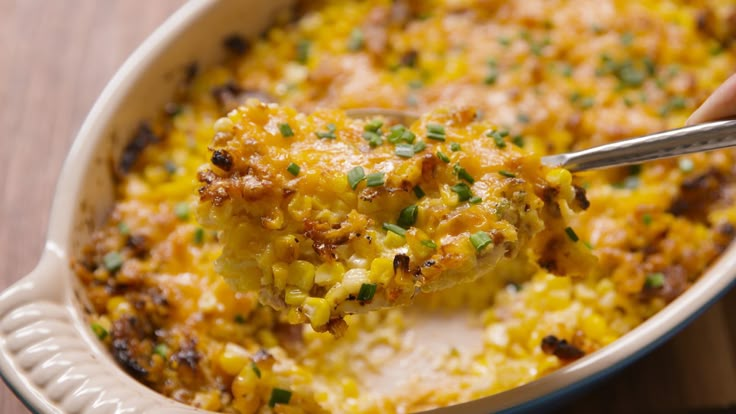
[335, 216]
[557, 75]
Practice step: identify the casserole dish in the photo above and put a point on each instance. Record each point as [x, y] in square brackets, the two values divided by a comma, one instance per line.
[48, 355]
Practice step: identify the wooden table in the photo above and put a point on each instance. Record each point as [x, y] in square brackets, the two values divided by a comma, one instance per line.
[55, 57]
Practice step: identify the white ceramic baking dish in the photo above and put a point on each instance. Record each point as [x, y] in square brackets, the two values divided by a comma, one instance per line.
[49, 356]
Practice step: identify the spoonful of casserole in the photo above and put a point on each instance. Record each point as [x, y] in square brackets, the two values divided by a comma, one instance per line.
[326, 215]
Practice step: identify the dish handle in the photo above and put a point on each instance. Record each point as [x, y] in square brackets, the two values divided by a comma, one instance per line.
[49, 357]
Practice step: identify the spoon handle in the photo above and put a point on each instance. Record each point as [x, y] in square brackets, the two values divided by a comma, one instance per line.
[697, 138]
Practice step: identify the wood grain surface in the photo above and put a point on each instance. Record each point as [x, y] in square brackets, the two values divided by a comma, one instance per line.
[55, 58]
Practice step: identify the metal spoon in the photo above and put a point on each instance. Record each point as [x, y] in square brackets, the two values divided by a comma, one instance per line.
[697, 138]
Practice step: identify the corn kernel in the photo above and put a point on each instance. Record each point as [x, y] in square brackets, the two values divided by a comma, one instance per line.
[594, 326]
[301, 275]
[381, 271]
[233, 358]
[317, 310]
[245, 383]
[294, 296]
[280, 275]
[328, 273]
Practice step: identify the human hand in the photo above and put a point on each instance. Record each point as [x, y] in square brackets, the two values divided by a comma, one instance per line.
[721, 104]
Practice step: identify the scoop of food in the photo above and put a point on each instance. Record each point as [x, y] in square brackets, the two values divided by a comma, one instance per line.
[328, 215]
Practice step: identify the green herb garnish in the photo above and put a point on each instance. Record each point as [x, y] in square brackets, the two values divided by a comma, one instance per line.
[113, 261]
[654, 280]
[279, 396]
[329, 134]
[646, 219]
[367, 290]
[436, 132]
[99, 331]
[293, 169]
[480, 240]
[161, 350]
[462, 190]
[429, 243]
[355, 176]
[286, 130]
[463, 174]
[123, 228]
[571, 234]
[255, 369]
[518, 140]
[475, 200]
[404, 150]
[507, 174]
[373, 126]
[455, 147]
[181, 210]
[419, 192]
[443, 157]
[374, 179]
[356, 40]
[393, 228]
[302, 51]
[408, 216]
[419, 146]
[374, 138]
[198, 237]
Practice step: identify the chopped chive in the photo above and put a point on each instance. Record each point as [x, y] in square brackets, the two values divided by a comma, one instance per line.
[475, 200]
[443, 157]
[293, 169]
[373, 126]
[355, 176]
[518, 140]
[627, 39]
[367, 291]
[654, 280]
[113, 261]
[429, 243]
[374, 179]
[455, 147]
[418, 191]
[404, 150]
[170, 167]
[161, 350]
[302, 51]
[491, 76]
[498, 137]
[686, 165]
[374, 138]
[462, 190]
[356, 40]
[198, 237]
[523, 118]
[419, 146]
[571, 234]
[99, 331]
[286, 130]
[401, 133]
[507, 174]
[480, 240]
[393, 228]
[408, 216]
[279, 396]
[504, 41]
[436, 132]
[255, 369]
[123, 228]
[239, 319]
[329, 134]
[181, 210]
[463, 174]
[646, 219]
[415, 84]
[588, 245]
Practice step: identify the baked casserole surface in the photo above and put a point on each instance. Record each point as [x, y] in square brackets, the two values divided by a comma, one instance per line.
[552, 75]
